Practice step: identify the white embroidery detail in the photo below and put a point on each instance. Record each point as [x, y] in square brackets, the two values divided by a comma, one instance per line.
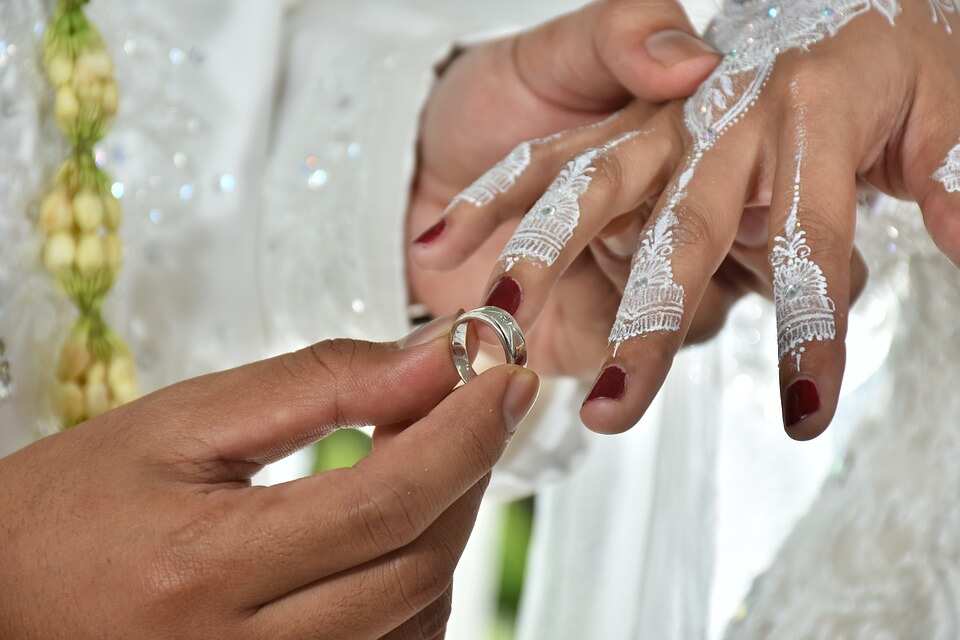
[549, 225]
[949, 172]
[804, 311]
[751, 34]
[499, 179]
[939, 10]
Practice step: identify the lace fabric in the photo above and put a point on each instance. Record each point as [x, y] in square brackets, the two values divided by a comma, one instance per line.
[878, 554]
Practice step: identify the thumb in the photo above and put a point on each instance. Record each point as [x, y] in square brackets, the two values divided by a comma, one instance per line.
[600, 56]
[266, 410]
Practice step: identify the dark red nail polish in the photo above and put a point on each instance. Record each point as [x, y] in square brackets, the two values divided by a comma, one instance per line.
[801, 401]
[432, 233]
[611, 385]
[506, 294]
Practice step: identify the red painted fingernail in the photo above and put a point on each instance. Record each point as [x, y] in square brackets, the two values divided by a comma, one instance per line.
[801, 401]
[611, 385]
[431, 234]
[506, 294]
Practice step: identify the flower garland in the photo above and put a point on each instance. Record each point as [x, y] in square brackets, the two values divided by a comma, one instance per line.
[80, 219]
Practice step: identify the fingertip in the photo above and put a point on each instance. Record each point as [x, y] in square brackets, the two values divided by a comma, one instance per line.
[804, 415]
[604, 417]
[523, 388]
[431, 235]
[671, 64]
[604, 410]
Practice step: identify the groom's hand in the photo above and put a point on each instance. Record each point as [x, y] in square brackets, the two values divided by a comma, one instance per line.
[142, 524]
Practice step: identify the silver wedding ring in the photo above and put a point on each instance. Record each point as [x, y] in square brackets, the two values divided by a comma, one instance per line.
[502, 323]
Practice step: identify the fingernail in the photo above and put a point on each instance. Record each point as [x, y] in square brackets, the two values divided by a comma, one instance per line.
[611, 385]
[522, 390]
[429, 332]
[506, 294]
[431, 234]
[673, 46]
[801, 401]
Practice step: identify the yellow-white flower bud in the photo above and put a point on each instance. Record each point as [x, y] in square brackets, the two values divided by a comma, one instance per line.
[90, 92]
[110, 100]
[74, 358]
[60, 70]
[90, 257]
[113, 211]
[95, 64]
[59, 251]
[56, 212]
[97, 373]
[113, 248]
[122, 378]
[66, 107]
[70, 402]
[84, 73]
[97, 398]
[88, 210]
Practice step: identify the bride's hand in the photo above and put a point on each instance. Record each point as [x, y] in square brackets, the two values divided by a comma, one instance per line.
[574, 71]
[142, 523]
[812, 97]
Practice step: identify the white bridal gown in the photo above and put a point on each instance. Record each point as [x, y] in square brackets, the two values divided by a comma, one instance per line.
[263, 153]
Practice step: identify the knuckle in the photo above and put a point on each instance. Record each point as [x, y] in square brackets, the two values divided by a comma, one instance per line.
[389, 515]
[822, 239]
[433, 620]
[481, 450]
[420, 578]
[810, 80]
[696, 228]
[610, 178]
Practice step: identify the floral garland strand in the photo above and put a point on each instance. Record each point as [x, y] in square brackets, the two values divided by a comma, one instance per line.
[80, 219]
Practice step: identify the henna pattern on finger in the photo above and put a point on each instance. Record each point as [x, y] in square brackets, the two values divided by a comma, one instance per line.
[939, 10]
[949, 172]
[504, 175]
[752, 35]
[804, 311]
[498, 179]
[548, 227]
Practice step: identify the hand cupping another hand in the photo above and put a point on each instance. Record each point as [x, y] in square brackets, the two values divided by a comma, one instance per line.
[157, 533]
[811, 96]
[575, 71]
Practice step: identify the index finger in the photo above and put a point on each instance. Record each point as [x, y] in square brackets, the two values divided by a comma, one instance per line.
[391, 497]
[266, 410]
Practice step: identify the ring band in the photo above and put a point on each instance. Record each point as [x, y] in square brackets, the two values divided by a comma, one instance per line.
[502, 323]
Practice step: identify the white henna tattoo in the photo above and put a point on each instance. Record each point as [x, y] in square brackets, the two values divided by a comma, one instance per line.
[939, 10]
[949, 172]
[546, 229]
[652, 300]
[804, 311]
[499, 179]
[504, 175]
[752, 35]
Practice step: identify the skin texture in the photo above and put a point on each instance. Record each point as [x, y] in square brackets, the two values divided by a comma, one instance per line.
[891, 130]
[565, 76]
[573, 71]
[142, 523]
